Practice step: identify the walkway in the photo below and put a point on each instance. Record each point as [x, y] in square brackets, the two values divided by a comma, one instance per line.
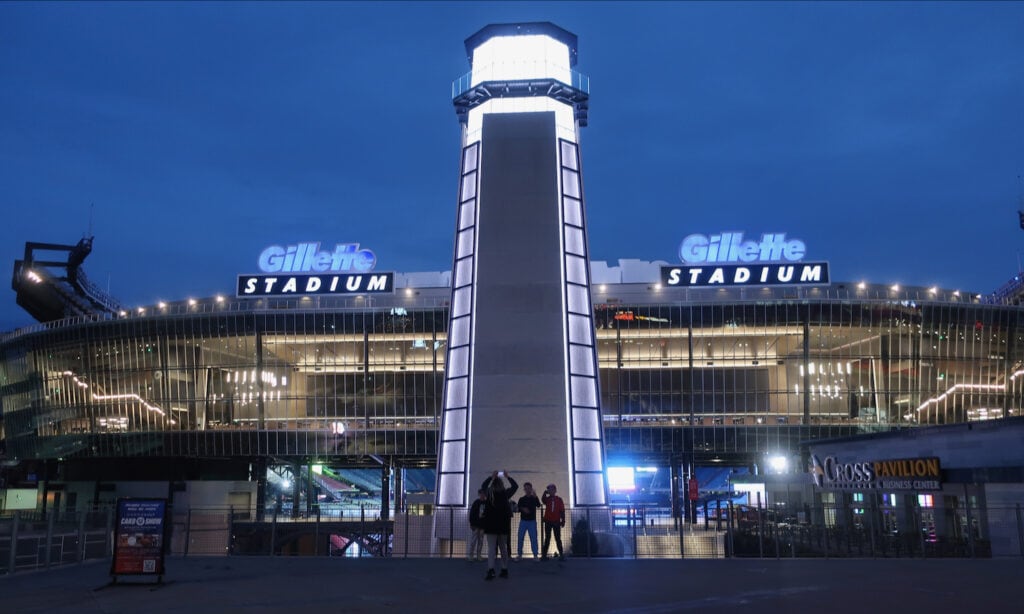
[198, 585]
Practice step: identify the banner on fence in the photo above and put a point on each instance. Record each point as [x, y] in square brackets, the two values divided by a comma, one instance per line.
[139, 537]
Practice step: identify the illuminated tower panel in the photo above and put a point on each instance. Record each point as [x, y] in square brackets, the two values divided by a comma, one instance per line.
[521, 389]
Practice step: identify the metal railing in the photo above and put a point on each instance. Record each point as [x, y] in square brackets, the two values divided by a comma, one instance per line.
[537, 69]
[29, 541]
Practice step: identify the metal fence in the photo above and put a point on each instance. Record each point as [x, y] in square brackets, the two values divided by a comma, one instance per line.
[725, 530]
[29, 540]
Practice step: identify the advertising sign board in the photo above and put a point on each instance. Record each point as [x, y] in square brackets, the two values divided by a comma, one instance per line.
[139, 537]
[306, 270]
[915, 474]
[729, 259]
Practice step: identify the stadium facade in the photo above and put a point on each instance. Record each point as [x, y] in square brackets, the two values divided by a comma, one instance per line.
[688, 377]
[742, 351]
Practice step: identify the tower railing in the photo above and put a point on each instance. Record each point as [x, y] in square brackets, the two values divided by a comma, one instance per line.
[540, 70]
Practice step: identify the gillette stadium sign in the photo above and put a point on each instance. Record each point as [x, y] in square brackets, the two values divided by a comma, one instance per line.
[304, 269]
[728, 259]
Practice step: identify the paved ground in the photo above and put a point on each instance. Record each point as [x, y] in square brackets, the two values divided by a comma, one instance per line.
[198, 585]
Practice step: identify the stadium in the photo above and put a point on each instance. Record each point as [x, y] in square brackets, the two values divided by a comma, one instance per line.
[688, 378]
[323, 382]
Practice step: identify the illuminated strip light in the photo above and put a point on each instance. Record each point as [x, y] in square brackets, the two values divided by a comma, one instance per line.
[971, 387]
[129, 396]
[115, 397]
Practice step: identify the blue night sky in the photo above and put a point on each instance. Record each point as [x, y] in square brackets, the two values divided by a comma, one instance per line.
[888, 136]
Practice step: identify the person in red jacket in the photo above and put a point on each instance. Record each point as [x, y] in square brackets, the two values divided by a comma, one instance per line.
[554, 520]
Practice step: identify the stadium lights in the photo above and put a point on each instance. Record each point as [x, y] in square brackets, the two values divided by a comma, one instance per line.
[220, 299]
[861, 286]
[162, 305]
[778, 463]
[32, 275]
[895, 288]
[933, 289]
[192, 302]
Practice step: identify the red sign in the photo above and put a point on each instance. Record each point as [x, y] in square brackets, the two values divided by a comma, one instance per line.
[693, 488]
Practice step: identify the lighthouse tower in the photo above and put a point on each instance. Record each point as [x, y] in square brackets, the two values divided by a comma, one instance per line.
[521, 380]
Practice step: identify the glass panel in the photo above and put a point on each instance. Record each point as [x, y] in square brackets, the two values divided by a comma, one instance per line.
[456, 393]
[579, 330]
[569, 155]
[450, 489]
[581, 361]
[467, 214]
[464, 272]
[585, 423]
[576, 270]
[454, 458]
[469, 157]
[460, 332]
[466, 246]
[577, 299]
[570, 183]
[468, 186]
[573, 211]
[589, 489]
[461, 301]
[587, 455]
[574, 241]
[454, 424]
[458, 362]
[584, 391]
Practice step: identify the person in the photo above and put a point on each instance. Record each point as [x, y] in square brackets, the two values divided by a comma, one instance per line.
[528, 505]
[554, 520]
[508, 533]
[498, 520]
[476, 525]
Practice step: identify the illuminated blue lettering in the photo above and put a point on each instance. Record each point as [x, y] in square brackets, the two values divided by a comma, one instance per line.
[730, 247]
[271, 259]
[694, 249]
[308, 257]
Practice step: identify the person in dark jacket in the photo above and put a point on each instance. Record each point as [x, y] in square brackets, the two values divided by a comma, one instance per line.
[527, 508]
[497, 518]
[476, 525]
